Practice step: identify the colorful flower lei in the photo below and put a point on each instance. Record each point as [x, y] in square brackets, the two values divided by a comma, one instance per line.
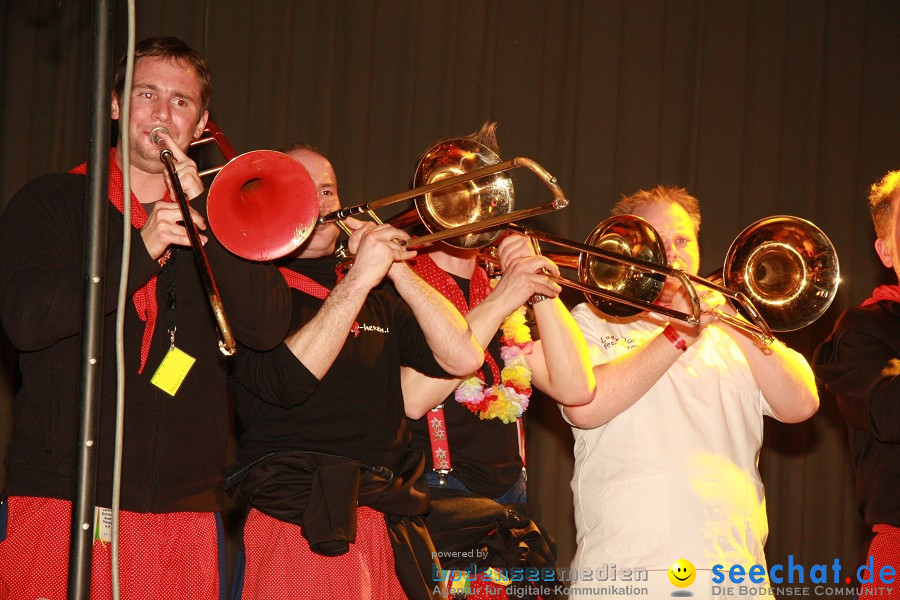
[508, 399]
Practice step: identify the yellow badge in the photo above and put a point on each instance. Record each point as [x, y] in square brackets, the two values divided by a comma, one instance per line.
[497, 576]
[172, 371]
[459, 583]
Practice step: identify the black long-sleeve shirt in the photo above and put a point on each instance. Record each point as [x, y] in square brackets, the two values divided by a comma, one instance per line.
[174, 447]
[356, 410]
[860, 364]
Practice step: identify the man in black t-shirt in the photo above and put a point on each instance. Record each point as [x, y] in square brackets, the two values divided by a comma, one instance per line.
[323, 460]
[474, 440]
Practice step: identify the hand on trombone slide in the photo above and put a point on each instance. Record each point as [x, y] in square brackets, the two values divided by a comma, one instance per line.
[525, 273]
[376, 249]
[188, 175]
[165, 225]
[714, 307]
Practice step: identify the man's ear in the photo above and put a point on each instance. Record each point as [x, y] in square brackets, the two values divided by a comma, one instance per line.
[115, 107]
[201, 124]
[884, 253]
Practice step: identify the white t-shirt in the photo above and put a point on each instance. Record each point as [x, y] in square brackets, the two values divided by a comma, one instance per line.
[674, 475]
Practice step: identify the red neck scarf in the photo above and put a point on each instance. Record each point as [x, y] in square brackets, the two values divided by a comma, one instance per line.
[305, 284]
[145, 298]
[479, 289]
[884, 292]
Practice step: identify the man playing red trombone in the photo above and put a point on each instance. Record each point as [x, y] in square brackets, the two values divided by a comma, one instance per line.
[176, 426]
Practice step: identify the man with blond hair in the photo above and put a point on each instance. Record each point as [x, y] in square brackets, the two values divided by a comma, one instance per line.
[666, 452]
[859, 363]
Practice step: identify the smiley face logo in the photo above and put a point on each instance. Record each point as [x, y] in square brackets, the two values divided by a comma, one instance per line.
[682, 573]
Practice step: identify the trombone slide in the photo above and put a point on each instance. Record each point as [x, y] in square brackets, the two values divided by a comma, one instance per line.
[223, 328]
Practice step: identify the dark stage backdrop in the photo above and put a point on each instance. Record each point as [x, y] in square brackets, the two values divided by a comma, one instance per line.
[757, 107]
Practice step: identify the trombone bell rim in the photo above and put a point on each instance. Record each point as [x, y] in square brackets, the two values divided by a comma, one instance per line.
[467, 203]
[262, 205]
[784, 255]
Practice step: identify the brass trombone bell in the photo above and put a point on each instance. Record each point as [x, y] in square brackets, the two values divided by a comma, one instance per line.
[787, 267]
[627, 237]
[621, 268]
[465, 203]
[457, 205]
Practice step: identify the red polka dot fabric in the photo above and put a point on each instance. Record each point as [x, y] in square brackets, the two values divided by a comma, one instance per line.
[171, 556]
[280, 564]
[884, 550]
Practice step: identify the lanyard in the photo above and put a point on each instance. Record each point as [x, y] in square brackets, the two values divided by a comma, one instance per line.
[167, 278]
[440, 444]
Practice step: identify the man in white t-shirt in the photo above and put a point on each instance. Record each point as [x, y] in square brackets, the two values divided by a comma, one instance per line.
[666, 454]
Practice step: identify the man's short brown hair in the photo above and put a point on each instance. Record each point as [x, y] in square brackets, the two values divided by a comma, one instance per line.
[173, 50]
[881, 196]
[300, 146]
[661, 194]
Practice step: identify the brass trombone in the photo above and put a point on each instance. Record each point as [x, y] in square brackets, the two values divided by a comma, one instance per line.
[263, 204]
[781, 272]
[223, 328]
[463, 195]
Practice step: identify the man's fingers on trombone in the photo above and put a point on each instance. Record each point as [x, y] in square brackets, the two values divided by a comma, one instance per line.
[189, 178]
[353, 223]
[513, 246]
[726, 307]
[178, 236]
[547, 266]
[547, 285]
[534, 264]
[710, 301]
[386, 233]
[403, 254]
[196, 217]
[392, 242]
[548, 289]
[185, 167]
[392, 232]
[164, 227]
[543, 273]
[393, 238]
[170, 212]
[360, 230]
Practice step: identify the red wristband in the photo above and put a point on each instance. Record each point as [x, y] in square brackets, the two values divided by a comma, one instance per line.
[674, 337]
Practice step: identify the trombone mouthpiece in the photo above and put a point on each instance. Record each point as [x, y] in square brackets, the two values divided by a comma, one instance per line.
[154, 135]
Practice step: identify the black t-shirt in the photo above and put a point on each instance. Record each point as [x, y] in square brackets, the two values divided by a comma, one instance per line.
[356, 410]
[484, 453]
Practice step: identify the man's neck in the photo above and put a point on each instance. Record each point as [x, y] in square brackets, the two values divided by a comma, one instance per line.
[147, 187]
[455, 261]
